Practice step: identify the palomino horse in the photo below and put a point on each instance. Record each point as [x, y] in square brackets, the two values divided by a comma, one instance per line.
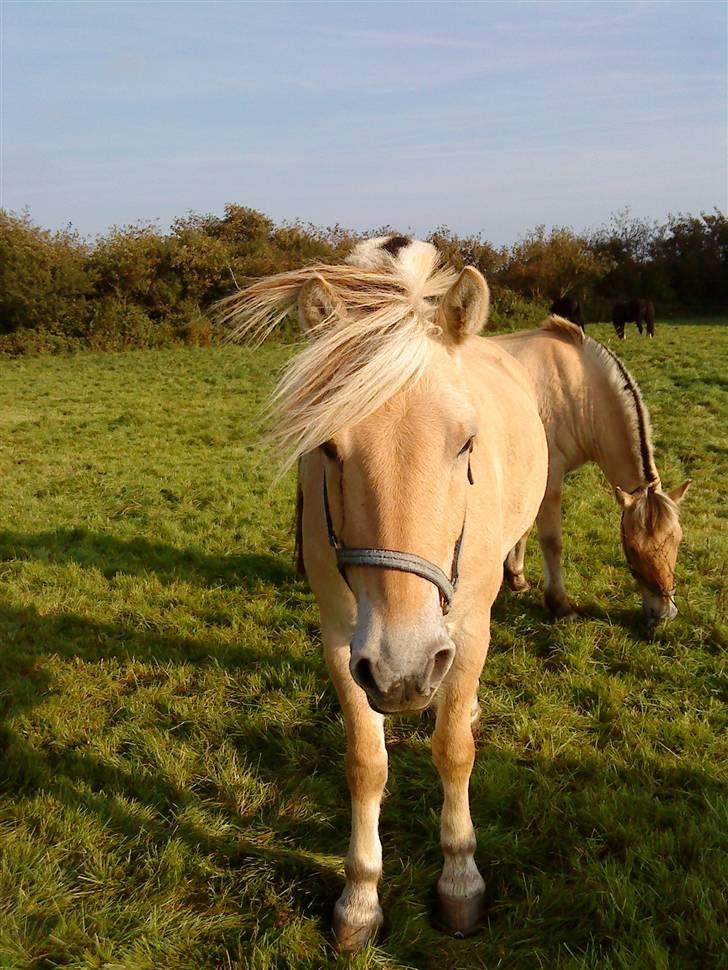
[593, 411]
[422, 460]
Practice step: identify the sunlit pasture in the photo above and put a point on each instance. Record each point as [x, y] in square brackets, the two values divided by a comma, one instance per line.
[171, 778]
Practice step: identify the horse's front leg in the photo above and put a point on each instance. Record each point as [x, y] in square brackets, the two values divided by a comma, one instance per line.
[549, 535]
[357, 914]
[460, 888]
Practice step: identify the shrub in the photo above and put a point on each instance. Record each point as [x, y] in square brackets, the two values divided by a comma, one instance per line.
[512, 311]
[545, 266]
[115, 325]
[26, 341]
[470, 251]
[44, 281]
[134, 265]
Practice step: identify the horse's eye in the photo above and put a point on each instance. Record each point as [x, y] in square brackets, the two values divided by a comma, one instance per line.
[329, 449]
[467, 447]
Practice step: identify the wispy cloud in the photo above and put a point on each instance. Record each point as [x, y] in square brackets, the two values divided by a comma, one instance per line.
[395, 38]
[411, 113]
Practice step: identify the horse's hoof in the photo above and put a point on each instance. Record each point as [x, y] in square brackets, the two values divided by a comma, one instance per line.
[567, 616]
[560, 609]
[355, 936]
[517, 582]
[459, 916]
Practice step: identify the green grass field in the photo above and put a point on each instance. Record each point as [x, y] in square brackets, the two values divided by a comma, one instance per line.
[171, 783]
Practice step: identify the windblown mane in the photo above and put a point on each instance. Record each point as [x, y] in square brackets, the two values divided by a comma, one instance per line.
[625, 387]
[377, 342]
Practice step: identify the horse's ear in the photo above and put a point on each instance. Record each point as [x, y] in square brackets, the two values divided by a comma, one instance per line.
[678, 494]
[464, 308]
[317, 302]
[624, 499]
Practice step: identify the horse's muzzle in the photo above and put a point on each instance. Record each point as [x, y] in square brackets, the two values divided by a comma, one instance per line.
[391, 689]
[656, 616]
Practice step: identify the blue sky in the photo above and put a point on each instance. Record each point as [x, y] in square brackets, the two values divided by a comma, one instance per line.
[489, 117]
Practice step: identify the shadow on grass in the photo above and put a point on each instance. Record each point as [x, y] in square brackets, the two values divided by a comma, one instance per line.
[144, 804]
[529, 606]
[542, 820]
[139, 556]
[547, 827]
[551, 828]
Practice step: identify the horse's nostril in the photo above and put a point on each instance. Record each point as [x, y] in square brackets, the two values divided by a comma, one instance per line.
[364, 675]
[441, 664]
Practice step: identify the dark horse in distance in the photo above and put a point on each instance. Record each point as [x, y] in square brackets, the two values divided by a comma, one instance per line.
[634, 311]
[568, 307]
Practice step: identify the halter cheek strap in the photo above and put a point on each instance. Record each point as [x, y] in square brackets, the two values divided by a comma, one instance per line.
[405, 562]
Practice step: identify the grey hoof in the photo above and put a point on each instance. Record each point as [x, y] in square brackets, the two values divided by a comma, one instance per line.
[459, 917]
[351, 937]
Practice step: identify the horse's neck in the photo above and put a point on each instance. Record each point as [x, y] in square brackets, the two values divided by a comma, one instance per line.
[615, 438]
[587, 416]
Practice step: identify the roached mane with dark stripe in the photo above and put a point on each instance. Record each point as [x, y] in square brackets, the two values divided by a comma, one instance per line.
[624, 384]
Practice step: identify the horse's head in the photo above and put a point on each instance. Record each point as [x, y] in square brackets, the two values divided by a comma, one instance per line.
[397, 479]
[651, 535]
[378, 407]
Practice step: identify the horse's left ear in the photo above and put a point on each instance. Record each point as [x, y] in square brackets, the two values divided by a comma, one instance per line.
[625, 500]
[678, 494]
[464, 308]
[317, 303]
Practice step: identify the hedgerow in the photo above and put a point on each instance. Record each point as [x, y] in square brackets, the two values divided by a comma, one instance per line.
[139, 286]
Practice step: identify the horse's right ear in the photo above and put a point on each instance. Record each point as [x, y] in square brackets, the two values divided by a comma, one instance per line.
[317, 303]
[464, 308]
[678, 494]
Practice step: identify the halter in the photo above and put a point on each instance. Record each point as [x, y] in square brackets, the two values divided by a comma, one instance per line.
[404, 562]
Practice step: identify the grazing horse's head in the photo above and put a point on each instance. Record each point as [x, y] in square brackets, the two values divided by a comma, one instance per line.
[651, 534]
[378, 406]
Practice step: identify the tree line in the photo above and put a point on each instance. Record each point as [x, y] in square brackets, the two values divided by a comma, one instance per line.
[137, 286]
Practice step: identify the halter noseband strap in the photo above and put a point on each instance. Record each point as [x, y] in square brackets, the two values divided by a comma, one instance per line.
[404, 562]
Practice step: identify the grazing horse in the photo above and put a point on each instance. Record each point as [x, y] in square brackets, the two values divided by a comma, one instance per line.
[422, 460]
[592, 410]
[569, 308]
[634, 311]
